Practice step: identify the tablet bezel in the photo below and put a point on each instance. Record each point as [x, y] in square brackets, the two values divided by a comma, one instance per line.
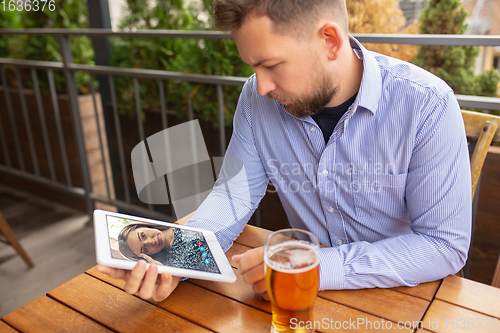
[103, 250]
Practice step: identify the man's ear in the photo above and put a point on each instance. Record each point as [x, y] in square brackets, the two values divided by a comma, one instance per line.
[333, 39]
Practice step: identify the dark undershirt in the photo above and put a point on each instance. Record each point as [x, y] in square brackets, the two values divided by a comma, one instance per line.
[328, 118]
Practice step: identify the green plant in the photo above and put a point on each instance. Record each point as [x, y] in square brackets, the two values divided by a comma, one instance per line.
[454, 64]
[213, 57]
[8, 20]
[68, 14]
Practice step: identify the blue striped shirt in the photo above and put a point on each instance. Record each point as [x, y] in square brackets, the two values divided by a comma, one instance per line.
[389, 194]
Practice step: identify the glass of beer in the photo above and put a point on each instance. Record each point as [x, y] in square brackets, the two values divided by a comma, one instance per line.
[292, 277]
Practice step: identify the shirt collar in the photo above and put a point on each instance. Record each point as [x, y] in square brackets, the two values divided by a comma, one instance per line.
[371, 83]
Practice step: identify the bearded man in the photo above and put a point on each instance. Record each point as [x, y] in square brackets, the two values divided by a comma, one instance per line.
[367, 152]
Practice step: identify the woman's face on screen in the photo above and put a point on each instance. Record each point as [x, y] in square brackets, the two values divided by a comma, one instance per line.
[149, 241]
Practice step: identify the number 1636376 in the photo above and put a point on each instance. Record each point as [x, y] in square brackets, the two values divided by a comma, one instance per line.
[472, 323]
[27, 5]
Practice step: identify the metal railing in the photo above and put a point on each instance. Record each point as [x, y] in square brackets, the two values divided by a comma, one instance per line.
[68, 68]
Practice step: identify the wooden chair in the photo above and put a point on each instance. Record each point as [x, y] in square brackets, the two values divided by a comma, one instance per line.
[11, 237]
[481, 128]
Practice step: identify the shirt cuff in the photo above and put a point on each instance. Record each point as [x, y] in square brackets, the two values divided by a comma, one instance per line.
[331, 269]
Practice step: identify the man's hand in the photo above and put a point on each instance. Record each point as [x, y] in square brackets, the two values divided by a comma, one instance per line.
[251, 266]
[146, 284]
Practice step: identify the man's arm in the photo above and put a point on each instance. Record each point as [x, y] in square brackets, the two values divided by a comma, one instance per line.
[241, 184]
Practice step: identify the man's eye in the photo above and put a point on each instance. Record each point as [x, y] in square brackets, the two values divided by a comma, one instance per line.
[145, 249]
[272, 66]
[143, 234]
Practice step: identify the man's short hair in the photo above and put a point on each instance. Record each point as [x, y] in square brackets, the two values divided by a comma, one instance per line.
[288, 16]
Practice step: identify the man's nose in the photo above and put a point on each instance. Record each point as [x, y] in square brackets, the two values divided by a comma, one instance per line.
[149, 241]
[265, 84]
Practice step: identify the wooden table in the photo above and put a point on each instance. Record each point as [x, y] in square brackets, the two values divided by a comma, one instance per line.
[92, 302]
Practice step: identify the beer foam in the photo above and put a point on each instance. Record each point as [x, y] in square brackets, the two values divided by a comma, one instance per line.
[292, 257]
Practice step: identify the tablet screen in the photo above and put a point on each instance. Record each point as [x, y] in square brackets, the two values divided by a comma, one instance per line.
[166, 245]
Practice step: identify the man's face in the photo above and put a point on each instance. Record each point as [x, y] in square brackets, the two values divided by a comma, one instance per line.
[288, 70]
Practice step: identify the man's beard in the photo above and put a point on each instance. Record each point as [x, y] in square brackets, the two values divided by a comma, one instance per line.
[309, 105]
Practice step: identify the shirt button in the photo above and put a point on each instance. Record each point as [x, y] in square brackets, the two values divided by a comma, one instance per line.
[330, 209]
[325, 172]
[339, 242]
[312, 129]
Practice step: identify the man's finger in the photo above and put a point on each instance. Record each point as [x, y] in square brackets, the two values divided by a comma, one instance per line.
[237, 257]
[259, 286]
[149, 283]
[113, 272]
[251, 259]
[136, 276]
[254, 274]
[104, 269]
[165, 287]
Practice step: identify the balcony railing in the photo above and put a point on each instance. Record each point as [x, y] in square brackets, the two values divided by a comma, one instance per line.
[69, 68]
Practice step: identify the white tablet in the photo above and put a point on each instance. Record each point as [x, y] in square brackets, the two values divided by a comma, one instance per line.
[121, 240]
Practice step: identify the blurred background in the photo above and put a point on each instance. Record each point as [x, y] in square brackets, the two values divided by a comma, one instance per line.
[90, 79]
